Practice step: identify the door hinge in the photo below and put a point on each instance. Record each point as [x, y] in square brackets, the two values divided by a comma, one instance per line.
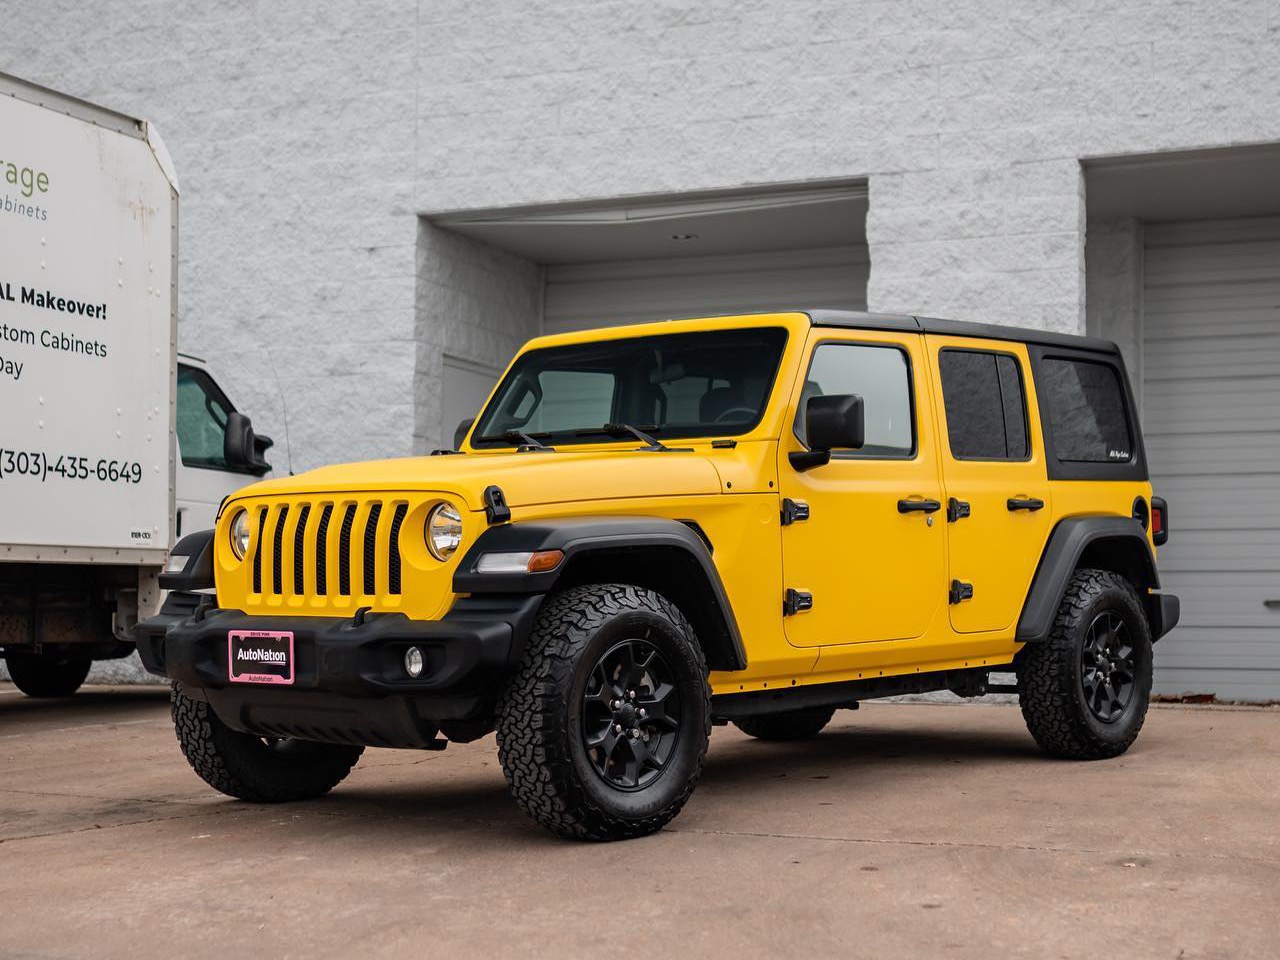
[794, 511]
[956, 510]
[797, 601]
[960, 591]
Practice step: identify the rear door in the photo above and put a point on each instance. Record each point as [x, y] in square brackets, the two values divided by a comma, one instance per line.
[997, 489]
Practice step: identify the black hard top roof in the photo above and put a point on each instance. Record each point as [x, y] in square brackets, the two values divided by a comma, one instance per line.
[853, 319]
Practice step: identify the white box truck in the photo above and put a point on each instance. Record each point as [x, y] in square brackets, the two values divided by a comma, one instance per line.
[111, 443]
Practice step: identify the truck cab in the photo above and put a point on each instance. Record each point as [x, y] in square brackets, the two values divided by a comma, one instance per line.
[754, 519]
[214, 459]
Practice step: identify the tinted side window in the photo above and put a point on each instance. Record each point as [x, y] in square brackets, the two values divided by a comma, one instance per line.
[985, 404]
[881, 376]
[1086, 411]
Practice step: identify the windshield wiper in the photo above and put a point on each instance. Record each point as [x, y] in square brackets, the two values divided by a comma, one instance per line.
[524, 442]
[651, 443]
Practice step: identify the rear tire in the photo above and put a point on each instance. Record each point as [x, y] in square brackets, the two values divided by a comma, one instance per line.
[47, 675]
[1084, 690]
[603, 729]
[802, 724]
[252, 768]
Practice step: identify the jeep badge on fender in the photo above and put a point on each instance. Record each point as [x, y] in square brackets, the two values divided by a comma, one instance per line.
[654, 528]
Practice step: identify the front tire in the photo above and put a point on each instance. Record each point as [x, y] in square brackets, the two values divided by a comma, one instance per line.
[47, 675]
[1084, 691]
[802, 724]
[252, 768]
[603, 729]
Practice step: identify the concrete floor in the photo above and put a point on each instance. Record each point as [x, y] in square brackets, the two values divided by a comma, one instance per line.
[905, 830]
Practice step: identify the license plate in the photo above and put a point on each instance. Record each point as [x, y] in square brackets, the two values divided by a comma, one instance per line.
[260, 656]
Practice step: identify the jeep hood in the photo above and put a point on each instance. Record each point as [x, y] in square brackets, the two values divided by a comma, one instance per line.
[525, 478]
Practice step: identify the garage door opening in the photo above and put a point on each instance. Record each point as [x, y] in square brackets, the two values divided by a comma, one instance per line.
[489, 280]
[1183, 269]
[679, 257]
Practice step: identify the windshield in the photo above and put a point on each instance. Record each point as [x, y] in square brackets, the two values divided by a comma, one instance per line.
[676, 385]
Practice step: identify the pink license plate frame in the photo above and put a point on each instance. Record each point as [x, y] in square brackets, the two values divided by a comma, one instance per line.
[253, 656]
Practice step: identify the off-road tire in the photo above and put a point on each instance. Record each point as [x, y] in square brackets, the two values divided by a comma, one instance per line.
[540, 727]
[250, 768]
[47, 675]
[1050, 687]
[802, 724]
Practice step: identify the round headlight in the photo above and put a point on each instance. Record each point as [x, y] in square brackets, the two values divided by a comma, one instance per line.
[444, 531]
[240, 534]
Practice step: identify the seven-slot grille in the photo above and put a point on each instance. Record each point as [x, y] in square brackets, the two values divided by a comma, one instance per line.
[328, 548]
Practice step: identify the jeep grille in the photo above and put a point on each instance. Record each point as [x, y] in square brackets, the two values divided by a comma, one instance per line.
[311, 548]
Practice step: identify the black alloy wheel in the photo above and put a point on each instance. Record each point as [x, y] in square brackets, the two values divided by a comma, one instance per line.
[1084, 689]
[631, 715]
[1107, 667]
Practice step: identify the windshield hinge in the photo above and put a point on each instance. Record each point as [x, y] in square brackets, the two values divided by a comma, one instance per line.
[495, 504]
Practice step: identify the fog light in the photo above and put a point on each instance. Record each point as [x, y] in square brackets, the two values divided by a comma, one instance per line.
[414, 661]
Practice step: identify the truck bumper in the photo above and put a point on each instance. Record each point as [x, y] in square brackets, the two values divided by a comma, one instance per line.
[350, 684]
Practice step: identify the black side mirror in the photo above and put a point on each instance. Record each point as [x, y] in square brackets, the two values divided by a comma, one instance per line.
[461, 431]
[833, 422]
[241, 448]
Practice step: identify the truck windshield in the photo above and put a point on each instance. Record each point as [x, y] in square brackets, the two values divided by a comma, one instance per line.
[715, 383]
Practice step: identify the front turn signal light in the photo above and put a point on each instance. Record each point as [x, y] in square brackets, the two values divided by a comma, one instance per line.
[524, 562]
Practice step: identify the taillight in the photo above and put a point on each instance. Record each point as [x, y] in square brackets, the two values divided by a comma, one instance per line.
[1159, 521]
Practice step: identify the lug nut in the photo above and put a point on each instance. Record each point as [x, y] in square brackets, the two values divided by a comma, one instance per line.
[642, 712]
[631, 694]
[635, 733]
[617, 728]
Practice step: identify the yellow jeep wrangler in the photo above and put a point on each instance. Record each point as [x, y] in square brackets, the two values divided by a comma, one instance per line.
[653, 529]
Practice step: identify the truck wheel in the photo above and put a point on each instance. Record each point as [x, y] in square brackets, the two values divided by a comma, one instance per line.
[1084, 690]
[792, 725]
[603, 729]
[253, 768]
[47, 675]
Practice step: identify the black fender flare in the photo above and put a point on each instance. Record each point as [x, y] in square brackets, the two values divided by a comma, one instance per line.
[614, 537]
[1067, 545]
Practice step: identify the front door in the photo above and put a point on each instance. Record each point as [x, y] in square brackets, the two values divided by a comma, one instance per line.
[997, 511]
[870, 555]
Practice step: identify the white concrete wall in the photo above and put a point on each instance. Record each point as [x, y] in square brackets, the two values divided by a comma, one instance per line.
[291, 128]
[310, 136]
[475, 302]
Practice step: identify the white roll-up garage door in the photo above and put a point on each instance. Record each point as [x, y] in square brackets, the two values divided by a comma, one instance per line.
[1211, 412]
[580, 296]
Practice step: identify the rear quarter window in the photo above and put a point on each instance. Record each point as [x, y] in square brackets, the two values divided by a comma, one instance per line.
[1088, 413]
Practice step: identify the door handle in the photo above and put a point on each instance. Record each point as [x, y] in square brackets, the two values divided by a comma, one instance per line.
[1271, 604]
[918, 506]
[1025, 503]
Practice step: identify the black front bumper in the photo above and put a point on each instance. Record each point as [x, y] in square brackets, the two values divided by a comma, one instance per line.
[350, 685]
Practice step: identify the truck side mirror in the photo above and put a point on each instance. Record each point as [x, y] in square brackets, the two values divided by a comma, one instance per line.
[833, 422]
[241, 448]
[461, 431]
